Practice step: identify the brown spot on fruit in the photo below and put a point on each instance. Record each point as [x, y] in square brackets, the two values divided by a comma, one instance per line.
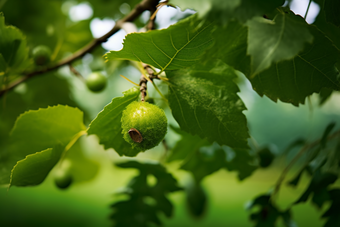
[135, 135]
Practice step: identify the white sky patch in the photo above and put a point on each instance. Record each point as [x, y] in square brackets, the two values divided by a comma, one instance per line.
[80, 12]
[164, 16]
[115, 42]
[300, 7]
[101, 27]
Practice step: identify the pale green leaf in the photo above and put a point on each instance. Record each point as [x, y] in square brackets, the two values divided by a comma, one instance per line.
[178, 46]
[204, 102]
[35, 167]
[38, 130]
[271, 41]
[307, 73]
[107, 124]
[13, 47]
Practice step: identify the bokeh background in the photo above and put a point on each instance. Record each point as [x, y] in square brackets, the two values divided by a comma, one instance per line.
[87, 201]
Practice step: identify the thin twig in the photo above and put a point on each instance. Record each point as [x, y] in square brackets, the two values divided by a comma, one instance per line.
[136, 12]
[75, 72]
[296, 158]
[310, 1]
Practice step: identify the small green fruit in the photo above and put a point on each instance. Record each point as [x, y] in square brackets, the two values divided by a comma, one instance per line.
[63, 179]
[62, 176]
[41, 55]
[144, 125]
[96, 81]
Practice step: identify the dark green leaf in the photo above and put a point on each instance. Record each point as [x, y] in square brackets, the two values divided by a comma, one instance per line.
[145, 199]
[326, 133]
[180, 45]
[266, 157]
[205, 162]
[230, 46]
[333, 211]
[186, 147]
[13, 49]
[243, 163]
[296, 179]
[196, 199]
[324, 95]
[272, 41]
[286, 80]
[267, 215]
[222, 11]
[318, 186]
[204, 102]
[332, 11]
[35, 167]
[107, 124]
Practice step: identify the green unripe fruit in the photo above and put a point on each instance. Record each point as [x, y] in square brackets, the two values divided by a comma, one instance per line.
[41, 55]
[63, 179]
[62, 176]
[96, 81]
[144, 125]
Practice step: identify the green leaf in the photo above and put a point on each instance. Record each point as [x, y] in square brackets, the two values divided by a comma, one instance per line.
[332, 10]
[107, 124]
[266, 157]
[196, 199]
[230, 46]
[35, 167]
[272, 41]
[13, 48]
[294, 182]
[180, 45]
[186, 147]
[205, 162]
[325, 94]
[318, 186]
[286, 80]
[38, 130]
[147, 199]
[267, 215]
[328, 29]
[242, 162]
[333, 211]
[204, 102]
[222, 11]
[325, 134]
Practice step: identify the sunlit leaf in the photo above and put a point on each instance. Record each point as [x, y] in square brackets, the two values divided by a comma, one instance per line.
[38, 130]
[178, 46]
[35, 167]
[107, 124]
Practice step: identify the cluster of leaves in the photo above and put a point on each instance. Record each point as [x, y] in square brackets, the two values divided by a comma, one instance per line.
[283, 57]
[146, 199]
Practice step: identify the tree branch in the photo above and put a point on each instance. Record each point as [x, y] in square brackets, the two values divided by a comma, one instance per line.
[296, 158]
[136, 12]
